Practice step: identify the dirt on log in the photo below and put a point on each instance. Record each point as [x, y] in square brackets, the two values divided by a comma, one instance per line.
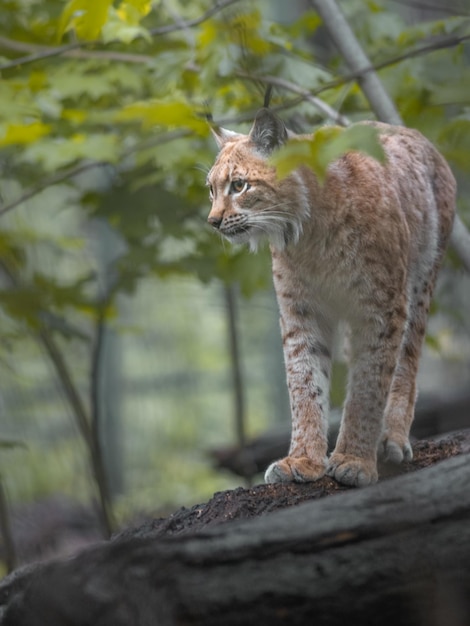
[397, 552]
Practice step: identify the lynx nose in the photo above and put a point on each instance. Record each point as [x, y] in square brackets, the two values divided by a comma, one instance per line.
[215, 220]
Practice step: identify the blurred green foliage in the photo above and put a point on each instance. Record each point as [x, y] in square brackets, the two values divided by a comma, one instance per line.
[132, 98]
[102, 121]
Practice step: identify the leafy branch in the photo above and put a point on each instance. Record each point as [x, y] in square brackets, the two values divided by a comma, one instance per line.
[75, 170]
[305, 95]
[436, 8]
[367, 68]
[49, 181]
[184, 24]
[69, 173]
[73, 47]
[441, 43]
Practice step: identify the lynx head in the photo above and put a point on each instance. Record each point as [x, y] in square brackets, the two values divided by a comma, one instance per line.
[248, 201]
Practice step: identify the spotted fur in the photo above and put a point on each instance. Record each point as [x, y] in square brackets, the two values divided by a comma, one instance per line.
[365, 247]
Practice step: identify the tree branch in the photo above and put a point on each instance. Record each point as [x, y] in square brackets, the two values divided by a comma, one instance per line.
[155, 32]
[357, 61]
[39, 56]
[181, 25]
[83, 167]
[425, 6]
[48, 182]
[87, 426]
[355, 57]
[436, 44]
[104, 55]
[323, 107]
[70, 172]
[68, 386]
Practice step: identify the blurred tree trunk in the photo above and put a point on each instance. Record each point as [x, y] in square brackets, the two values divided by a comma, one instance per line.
[108, 372]
[379, 100]
[5, 531]
[231, 293]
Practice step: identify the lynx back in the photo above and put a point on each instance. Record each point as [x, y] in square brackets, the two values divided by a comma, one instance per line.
[365, 247]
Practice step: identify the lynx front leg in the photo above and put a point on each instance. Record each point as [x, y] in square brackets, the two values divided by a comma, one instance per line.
[375, 352]
[308, 363]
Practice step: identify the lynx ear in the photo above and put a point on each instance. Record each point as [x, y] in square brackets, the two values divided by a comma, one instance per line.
[222, 135]
[268, 132]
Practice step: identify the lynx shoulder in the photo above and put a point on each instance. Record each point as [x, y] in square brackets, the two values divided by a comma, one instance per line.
[365, 247]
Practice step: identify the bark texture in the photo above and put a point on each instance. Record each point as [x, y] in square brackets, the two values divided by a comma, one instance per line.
[394, 553]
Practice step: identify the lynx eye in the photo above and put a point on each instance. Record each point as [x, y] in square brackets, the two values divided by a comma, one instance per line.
[238, 185]
[211, 192]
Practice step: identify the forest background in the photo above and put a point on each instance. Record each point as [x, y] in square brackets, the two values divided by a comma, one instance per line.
[132, 341]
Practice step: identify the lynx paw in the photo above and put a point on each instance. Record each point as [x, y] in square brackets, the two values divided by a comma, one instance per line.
[395, 450]
[294, 469]
[352, 470]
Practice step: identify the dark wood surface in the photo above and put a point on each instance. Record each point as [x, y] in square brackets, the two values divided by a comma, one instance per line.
[394, 553]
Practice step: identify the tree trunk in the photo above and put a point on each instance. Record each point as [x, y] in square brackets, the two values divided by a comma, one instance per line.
[394, 553]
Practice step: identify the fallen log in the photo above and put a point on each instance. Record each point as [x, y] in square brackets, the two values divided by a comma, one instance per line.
[397, 552]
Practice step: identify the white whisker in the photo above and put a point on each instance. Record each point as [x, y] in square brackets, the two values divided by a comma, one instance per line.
[201, 168]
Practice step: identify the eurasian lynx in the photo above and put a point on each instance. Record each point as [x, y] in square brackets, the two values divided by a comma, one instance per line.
[365, 247]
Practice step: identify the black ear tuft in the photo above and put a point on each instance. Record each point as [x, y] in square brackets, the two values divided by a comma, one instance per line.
[268, 132]
[267, 96]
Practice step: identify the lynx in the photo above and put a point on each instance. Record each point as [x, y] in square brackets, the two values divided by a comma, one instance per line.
[363, 247]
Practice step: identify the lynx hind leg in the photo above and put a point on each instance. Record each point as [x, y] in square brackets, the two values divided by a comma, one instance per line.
[399, 413]
[433, 236]
[374, 353]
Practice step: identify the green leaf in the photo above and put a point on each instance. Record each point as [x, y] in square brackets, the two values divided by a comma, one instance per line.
[132, 11]
[22, 134]
[123, 24]
[78, 80]
[170, 114]
[115, 29]
[85, 17]
[295, 153]
[326, 145]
